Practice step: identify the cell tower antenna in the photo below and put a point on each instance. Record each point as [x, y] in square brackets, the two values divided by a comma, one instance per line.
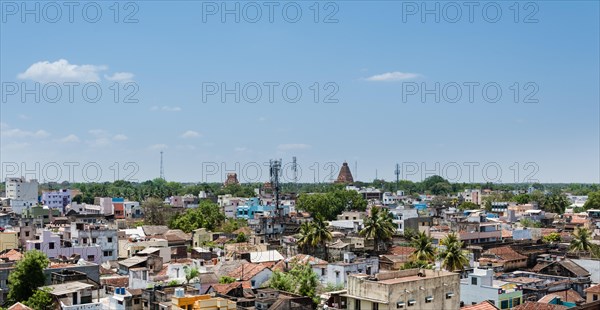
[295, 170]
[162, 170]
[275, 171]
[397, 173]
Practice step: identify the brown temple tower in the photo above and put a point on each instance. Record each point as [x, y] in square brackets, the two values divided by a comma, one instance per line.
[345, 176]
[231, 179]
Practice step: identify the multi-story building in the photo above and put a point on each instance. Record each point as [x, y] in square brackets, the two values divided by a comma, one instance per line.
[57, 199]
[22, 194]
[95, 234]
[338, 273]
[405, 289]
[481, 285]
[51, 245]
[133, 210]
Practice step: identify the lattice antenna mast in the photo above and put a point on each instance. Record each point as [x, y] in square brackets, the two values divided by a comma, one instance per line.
[274, 171]
[397, 173]
[295, 170]
[162, 169]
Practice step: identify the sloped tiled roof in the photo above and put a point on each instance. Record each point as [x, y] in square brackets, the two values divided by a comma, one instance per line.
[153, 230]
[401, 250]
[12, 255]
[19, 306]
[568, 295]
[247, 271]
[593, 289]
[116, 281]
[531, 305]
[485, 305]
[176, 235]
[574, 268]
[506, 253]
[224, 289]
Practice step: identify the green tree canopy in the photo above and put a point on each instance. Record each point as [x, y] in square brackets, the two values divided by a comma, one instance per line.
[207, 215]
[593, 201]
[27, 276]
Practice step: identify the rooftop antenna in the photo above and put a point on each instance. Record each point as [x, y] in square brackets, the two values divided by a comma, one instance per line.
[162, 170]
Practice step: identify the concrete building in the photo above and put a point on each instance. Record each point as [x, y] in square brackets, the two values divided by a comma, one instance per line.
[22, 194]
[405, 289]
[481, 285]
[338, 273]
[133, 210]
[95, 234]
[57, 199]
[9, 240]
[75, 296]
[51, 245]
[181, 301]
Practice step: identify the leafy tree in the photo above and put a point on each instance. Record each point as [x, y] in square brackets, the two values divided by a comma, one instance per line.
[154, 212]
[521, 198]
[190, 273]
[314, 234]
[226, 280]
[424, 249]
[77, 199]
[551, 238]
[467, 205]
[420, 264]
[525, 222]
[41, 300]
[556, 203]
[453, 257]
[329, 205]
[27, 276]
[593, 201]
[207, 215]
[301, 279]
[241, 237]
[379, 226]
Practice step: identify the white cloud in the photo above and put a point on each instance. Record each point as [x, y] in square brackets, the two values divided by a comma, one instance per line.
[120, 137]
[190, 134]
[3, 125]
[24, 117]
[98, 132]
[19, 133]
[120, 77]
[70, 139]
[158, 147]
[61, 71]
[293, 146]
[165, 108]
[392, 76]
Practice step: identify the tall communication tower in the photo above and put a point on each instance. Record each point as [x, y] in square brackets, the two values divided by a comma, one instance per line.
[162, 170]
[295, 170]
[397, 173]
[274, 171]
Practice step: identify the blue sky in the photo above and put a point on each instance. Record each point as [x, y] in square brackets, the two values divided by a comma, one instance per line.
[371, 57]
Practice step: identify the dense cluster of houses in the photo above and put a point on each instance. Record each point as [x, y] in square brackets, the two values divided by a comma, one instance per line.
[100, 259]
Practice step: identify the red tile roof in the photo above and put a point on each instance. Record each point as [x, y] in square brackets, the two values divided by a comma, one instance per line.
[247, 271]
[593, 289]
[531, 305]
[506, 253]
[12, 255]
[224, 289]
[19, 306]
[485, 305]
[401, 250]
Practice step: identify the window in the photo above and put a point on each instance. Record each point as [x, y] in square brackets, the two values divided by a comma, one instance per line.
[93, 240]
[37, 246]
[473, 280]
[136, 301]
[375, 306]
[90, 258]
[108, 253]
[594, 297]
[400, 305]
[504, 304]
[411, 302]
[51, 245]
[516, 302]
[27, 233]
[449, 295]
[109, 239]
[357, 304]
[428, 299]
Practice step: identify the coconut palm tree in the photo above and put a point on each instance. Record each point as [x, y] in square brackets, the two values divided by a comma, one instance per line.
[379, 226]
[453, 257]
[423, 245]
[581, 241]
[190, 273]
[320, 234]
[305, 240]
